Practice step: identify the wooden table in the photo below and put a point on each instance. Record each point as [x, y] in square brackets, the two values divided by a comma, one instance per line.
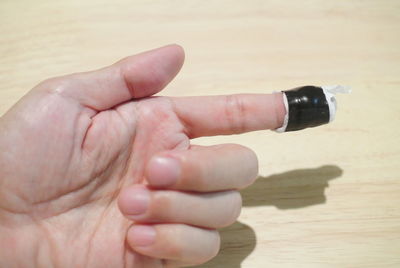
[326, 197]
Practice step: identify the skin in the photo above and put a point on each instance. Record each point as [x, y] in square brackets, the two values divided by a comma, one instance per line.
[96, 173]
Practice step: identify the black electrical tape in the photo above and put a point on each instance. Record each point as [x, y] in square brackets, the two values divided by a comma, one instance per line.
[307, 106]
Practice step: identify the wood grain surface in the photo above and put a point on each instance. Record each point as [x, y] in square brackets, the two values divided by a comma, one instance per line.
[326, 197]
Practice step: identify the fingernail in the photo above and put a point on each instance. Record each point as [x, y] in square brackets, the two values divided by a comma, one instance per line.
[142, 235]
[138, 200]
[163, 171]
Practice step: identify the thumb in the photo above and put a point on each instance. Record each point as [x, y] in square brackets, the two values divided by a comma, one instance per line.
[136, 76]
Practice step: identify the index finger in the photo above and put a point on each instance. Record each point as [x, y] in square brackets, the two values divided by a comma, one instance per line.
[230, 114]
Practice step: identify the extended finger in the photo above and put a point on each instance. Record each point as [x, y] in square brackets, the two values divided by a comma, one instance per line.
[210, 210]
[230, 114]
[203, 169]
[174, 242]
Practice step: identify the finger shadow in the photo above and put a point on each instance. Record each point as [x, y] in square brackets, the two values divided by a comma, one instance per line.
[237, 242]
[289, 190]
[293, 189]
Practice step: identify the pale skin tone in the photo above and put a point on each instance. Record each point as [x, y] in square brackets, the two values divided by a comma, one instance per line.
[96, 173]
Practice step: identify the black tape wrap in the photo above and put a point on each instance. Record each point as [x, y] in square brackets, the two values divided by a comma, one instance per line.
[307, 106]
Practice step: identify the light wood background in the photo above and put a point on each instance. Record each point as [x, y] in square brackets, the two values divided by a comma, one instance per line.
[326, 197]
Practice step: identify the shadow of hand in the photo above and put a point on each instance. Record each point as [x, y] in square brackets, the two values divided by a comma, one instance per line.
[289, 190]
[238, 241]
[292, 189]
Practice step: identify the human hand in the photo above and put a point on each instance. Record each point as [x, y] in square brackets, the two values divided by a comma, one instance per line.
[96, 173]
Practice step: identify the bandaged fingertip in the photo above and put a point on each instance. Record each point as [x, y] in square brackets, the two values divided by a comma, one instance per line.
[310, 106]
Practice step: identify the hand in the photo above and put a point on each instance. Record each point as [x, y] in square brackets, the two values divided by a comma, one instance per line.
[96, 173]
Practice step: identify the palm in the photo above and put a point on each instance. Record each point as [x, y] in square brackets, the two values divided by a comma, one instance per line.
[73, 184]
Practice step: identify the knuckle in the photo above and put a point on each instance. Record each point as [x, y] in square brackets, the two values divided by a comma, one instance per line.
[176, 242]
[235, 113]
[211, 250]
[237, 201]
[195, 174]
[161, 206]
[175, 250]
[249, 165]
[233, 212]
[214, 247]
[126, 72]
[253, 168]
[133, 77]
[200, 181]
[147, 112]
[178, 246]
[54, 85]
[236, 207]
